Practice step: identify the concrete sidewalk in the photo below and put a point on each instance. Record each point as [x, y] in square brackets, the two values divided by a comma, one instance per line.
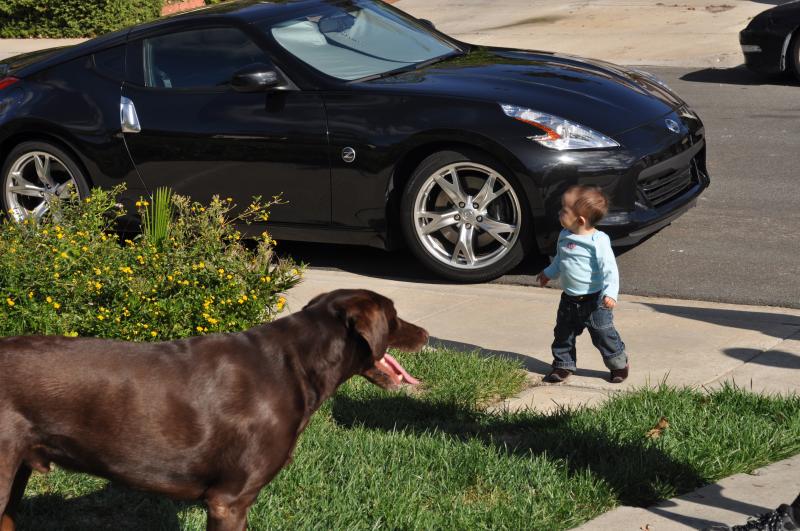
[685, 343]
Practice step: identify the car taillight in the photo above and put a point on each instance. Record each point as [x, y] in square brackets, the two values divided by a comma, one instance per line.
[7, 82]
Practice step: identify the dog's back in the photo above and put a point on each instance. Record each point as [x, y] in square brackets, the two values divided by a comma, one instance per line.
[124, 410]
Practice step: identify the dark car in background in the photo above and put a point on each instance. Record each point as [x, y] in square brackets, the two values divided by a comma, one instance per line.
[771, 41]
[376, 128]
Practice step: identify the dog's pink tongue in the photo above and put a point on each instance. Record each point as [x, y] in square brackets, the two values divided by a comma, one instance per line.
[394, 364]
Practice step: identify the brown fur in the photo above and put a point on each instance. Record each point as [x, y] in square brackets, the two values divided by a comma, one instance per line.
[212, 417]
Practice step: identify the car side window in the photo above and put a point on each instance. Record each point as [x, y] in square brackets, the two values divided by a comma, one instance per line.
[110, 62]
[198, 59]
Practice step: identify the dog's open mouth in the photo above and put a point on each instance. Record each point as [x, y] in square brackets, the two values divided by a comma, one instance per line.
[394, 371]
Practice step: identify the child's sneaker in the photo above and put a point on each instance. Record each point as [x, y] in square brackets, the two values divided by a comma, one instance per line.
[619, 375]
[558, 375]
[784, 518]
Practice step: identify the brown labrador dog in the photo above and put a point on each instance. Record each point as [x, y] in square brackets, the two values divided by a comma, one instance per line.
[212, 418]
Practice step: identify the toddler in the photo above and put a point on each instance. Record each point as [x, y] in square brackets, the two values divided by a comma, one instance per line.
[590, 280]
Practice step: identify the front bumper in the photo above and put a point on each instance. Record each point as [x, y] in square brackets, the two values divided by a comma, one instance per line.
[665, 191]
[653, 178]
[763, 50]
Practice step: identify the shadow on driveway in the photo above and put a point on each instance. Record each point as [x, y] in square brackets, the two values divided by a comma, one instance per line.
[529, 363]
[400, 264]
[739, 75]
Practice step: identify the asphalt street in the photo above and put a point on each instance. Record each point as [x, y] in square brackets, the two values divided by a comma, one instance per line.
[738, 245]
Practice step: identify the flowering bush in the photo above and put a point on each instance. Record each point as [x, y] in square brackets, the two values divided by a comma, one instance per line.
[71, 275]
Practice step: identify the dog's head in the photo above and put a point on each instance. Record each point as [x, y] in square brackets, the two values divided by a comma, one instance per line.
[372, 319]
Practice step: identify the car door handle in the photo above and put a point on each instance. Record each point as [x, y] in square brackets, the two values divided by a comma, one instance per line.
[128, 119]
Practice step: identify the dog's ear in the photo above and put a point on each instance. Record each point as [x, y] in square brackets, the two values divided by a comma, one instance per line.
[315, 300]
[368, 319]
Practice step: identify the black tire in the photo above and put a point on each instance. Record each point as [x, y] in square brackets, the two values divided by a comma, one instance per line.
[509, 208]
[793, 57]
[63, 168]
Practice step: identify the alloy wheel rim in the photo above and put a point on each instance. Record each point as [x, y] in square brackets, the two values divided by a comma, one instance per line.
[34, 181]
[467, 216]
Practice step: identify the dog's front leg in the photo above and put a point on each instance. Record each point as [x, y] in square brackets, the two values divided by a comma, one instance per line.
[227, 512]
[9, 515]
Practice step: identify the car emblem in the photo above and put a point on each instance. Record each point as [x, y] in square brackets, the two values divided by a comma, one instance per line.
[673, 126]
[348, 154]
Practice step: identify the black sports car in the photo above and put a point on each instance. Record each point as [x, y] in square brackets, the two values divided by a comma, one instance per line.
[376, 128]
[771, 41]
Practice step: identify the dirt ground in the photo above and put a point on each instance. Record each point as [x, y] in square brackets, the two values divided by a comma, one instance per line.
[684, 33]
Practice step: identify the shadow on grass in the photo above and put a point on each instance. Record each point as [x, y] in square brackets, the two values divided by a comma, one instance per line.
[111, 508]
[638, 474]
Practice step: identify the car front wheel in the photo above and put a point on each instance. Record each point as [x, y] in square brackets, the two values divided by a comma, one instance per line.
[35, 174]
[793, 59]
[464, 216]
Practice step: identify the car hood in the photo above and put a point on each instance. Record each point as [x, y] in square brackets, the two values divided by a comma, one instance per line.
[600, 95]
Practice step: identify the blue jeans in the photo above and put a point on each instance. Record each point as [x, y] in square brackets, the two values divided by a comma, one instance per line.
[586, 311]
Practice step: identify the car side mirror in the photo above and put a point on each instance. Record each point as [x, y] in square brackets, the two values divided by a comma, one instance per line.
[426, 22]
[256, 77]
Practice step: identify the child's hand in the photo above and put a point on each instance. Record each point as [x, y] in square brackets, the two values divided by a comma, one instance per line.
[609, 303]
[543, 280]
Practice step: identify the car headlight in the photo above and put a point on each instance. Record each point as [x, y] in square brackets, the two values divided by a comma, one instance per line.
[559, 133]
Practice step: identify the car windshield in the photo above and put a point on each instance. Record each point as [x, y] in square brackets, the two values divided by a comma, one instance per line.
[355, 40]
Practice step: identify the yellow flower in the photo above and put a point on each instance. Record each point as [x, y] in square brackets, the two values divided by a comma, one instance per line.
[199, 328]
[101, 317]
[71, 334]
[56, 305]
[294, 272]
[30, 294]
[49, 299]
[154, 333]
[56, 275]
[64, 255]
[97, 271]
[10, 301]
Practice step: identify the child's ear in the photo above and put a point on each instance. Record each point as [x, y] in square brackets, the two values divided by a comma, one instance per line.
[582, 221]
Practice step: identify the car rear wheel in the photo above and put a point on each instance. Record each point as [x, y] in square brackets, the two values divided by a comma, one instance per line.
[464, 216]
[34, 175]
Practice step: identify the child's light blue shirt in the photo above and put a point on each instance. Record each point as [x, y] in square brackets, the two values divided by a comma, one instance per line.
[586, 264]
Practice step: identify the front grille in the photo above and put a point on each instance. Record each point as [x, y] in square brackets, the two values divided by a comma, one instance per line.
[663, 186]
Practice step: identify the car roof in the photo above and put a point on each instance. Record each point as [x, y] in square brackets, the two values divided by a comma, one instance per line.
[241, 11]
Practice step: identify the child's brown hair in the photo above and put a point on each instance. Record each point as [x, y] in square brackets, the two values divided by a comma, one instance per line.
[591, 202]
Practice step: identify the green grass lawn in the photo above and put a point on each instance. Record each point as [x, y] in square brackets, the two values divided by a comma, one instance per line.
[436, 460]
